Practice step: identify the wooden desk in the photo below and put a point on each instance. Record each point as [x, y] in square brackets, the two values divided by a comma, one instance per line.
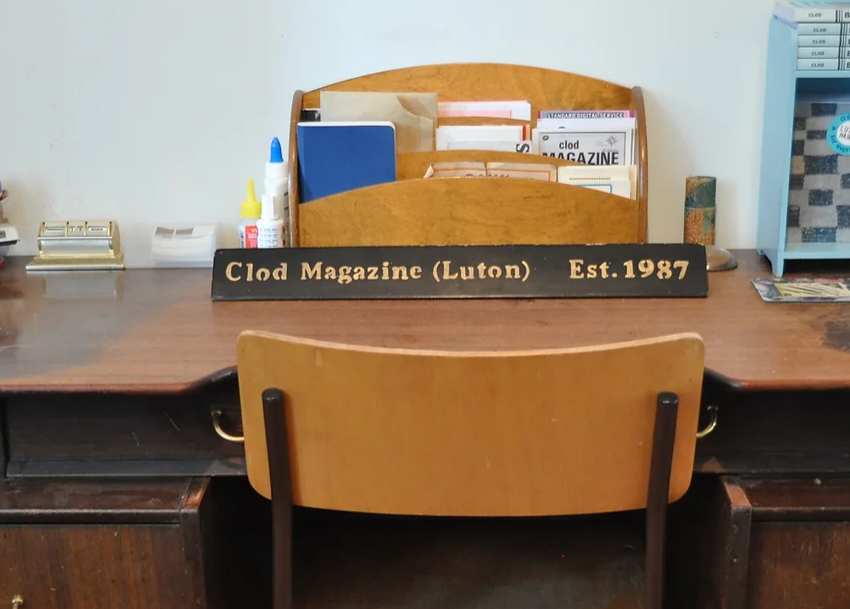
[112, 377]
[160, 332]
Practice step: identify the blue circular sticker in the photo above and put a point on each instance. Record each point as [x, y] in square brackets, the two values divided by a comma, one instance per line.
[838, 134]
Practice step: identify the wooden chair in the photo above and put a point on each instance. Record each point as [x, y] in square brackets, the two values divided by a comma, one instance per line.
[433, 433]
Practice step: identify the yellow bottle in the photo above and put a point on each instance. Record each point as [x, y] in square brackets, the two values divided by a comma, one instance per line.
[251, 210]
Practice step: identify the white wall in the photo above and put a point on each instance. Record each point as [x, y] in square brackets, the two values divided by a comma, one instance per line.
[159, 111]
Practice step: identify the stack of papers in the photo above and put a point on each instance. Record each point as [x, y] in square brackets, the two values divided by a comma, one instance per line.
[508, 138]
[620, 180]
[184, 247]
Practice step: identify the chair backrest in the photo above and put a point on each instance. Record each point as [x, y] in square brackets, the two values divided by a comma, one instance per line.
[527, 433]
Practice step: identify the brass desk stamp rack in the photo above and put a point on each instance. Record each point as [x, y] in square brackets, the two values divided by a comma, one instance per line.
[75, 245]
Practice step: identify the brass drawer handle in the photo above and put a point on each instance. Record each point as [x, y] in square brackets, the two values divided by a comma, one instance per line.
[216, 418]
[17, 601]
[712, 411]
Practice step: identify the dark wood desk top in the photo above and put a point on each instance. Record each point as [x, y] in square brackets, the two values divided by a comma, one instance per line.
[158, 331]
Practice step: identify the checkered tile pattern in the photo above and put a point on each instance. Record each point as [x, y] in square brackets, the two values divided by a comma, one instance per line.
[819, 197]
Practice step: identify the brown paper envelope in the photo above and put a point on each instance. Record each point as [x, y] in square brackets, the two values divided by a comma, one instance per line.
[413, 114]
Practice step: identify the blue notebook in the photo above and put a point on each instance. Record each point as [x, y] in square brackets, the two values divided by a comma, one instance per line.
[337, 156]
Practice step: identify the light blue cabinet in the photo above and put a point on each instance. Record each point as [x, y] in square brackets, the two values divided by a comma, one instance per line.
[802, 220]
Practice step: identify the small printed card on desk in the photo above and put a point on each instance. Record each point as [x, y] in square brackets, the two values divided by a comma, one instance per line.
[803, 289]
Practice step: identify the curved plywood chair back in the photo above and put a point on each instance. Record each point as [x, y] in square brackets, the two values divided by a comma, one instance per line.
[391, 214]
[468, 433]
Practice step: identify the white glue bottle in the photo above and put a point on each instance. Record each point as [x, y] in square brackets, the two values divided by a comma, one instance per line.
[275, 183]
[269, 226]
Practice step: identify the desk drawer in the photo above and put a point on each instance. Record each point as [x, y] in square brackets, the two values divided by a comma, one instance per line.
[799, 564]
[152, 543]
[79, 546]
[764, 433]
[777, 544]
[117, 435]
[799, 551]
[80, 567]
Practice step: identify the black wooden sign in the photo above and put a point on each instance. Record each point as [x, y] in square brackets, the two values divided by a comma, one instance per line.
[490, 271]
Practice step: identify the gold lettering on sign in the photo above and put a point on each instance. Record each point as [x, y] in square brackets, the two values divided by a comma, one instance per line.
[345, 274]
[663, 269]
[261, 273]
[399, 272]
[468, 267]
[444, 270]
[311, 273]
[228, 271]
[580, 270]
[575, 269]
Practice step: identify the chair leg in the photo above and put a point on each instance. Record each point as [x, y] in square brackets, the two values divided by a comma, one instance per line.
[663, 441]
[277, 446]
